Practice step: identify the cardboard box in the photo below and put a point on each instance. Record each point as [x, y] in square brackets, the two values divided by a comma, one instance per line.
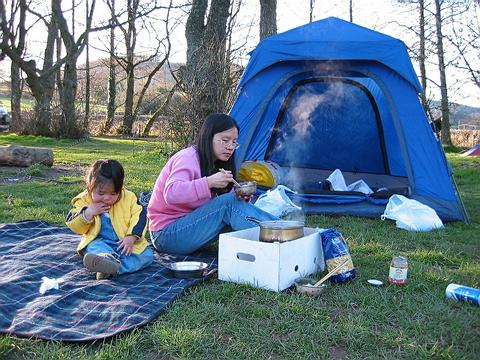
[242, 258]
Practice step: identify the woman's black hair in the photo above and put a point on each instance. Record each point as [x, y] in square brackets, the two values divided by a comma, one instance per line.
[214, 124]
[103, 172]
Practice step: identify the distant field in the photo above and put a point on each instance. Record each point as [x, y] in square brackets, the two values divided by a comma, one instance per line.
[27, 104]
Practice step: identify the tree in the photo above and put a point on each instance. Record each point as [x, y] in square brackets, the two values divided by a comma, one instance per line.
[68, 123]
[204, 73]
[112, 83]
[268, 18]
[129, 62]
[350, 10]
[443, 80]
[87, 76]
[17, 37]
[464, 38]
[42, 81]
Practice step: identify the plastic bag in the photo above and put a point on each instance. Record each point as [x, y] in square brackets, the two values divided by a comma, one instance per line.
[277, 202]
[335, 252]
[411, 214]
[337, 183]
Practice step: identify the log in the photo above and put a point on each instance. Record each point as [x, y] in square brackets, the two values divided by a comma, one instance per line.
[15, 155]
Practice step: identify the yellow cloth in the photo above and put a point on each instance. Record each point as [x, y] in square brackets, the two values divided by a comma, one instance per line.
[264, 173]
[128, 217]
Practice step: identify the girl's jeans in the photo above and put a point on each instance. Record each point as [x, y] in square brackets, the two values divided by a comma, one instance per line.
[202, 226]
[106, 244]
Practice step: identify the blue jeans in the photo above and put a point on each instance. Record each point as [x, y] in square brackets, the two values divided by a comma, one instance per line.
[202, 226]
[106, 243]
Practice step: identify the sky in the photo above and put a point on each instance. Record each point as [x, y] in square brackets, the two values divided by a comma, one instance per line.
[374, 14]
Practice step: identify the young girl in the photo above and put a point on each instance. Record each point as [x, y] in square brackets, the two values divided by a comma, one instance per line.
[191, 201]
[111, 221]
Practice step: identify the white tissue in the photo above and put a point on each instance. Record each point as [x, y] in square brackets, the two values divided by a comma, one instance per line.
[338, 183]
[48, 284]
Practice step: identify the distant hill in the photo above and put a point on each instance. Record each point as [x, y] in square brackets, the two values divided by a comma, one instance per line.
[461, 116]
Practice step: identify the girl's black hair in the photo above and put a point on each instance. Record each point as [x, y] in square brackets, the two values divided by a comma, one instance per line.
[214, 124]
[103, 172]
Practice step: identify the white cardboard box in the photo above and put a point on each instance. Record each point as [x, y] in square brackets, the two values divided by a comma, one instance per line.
[242, 258]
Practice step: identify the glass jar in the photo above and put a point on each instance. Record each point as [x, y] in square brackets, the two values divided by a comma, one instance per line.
[398, 271]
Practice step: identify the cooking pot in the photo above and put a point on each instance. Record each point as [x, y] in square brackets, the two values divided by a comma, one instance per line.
[279, 230]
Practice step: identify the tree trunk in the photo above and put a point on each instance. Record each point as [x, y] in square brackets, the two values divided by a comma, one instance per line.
[156, 114]
[68, 124]
[130, 42]
[422, 57]
[443, 82]
[312, 5]
[268, 18]
[14, 155]
[112, 90]
[204, 72]
[43, 113]
[87, 79]
[350, 8]
[15, 97]
[16, 85]
[130, 91]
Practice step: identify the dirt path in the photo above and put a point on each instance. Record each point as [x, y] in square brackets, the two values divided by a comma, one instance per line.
[16, 175]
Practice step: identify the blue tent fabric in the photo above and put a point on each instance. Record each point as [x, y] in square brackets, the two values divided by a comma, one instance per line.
[332, 94]
[82, 309]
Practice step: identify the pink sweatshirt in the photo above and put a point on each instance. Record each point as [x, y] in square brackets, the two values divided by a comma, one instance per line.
[179, 190]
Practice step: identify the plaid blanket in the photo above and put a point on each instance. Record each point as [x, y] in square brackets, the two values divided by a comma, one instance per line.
[82, 309]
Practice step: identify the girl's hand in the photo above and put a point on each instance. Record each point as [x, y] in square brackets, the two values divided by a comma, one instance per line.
[126, 244]
[220, 179]
[95, 209]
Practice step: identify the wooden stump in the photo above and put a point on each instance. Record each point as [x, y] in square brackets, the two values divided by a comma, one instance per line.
[15, 155]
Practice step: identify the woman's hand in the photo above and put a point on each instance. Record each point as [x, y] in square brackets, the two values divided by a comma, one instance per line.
[126, 244]
[220, 179]
[95, 209]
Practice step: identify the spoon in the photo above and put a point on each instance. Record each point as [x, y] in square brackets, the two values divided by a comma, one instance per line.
[330, 273]
[234, 181]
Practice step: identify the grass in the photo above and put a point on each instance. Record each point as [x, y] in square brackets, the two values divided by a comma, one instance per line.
[225, 320]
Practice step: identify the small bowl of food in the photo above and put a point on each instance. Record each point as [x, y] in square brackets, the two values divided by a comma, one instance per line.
[246, 188]
[306, 286]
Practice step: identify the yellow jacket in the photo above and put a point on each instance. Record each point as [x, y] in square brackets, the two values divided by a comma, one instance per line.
[128, 217]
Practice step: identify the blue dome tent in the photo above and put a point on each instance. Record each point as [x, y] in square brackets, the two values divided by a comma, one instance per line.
[334, 95]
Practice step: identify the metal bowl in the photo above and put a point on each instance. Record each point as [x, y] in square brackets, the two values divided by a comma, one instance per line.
[188, 269]
[246, 188]
[305, 286]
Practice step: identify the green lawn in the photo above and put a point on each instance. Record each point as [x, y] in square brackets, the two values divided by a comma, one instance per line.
[224, 320]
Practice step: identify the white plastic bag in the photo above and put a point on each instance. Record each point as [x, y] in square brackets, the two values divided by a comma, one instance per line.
[337, 180]
[411, 214]
[276, 201]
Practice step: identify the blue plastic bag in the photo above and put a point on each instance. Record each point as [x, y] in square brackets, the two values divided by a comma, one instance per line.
[335, 251]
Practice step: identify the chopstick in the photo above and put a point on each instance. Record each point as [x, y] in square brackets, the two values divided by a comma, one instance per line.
[234, 181]
[330, 273]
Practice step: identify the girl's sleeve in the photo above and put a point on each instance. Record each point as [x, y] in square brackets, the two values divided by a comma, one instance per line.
[76, 219]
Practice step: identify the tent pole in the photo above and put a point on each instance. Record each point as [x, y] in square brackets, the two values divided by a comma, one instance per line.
[467, 219]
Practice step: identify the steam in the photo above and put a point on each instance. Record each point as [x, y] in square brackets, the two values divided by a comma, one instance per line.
[302, 119]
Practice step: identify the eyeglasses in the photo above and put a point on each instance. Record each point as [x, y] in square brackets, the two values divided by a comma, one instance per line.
[228, 144]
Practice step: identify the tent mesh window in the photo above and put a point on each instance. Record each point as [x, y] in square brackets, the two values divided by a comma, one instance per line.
[336, 116]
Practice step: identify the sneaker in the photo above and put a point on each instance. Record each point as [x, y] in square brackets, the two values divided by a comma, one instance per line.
[103, 276]
[100, 264]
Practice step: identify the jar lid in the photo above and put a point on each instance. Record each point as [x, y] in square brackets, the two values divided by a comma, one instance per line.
[375, 282]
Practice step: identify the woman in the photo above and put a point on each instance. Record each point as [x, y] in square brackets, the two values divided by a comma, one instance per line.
[192, 200]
